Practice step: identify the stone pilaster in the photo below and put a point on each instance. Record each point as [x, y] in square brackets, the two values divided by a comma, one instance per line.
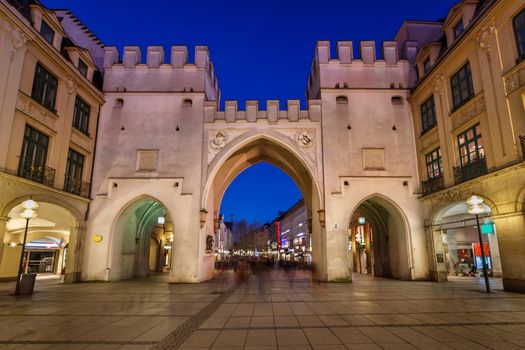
[12, 54]
[74, 255]
[3, 222]
[437, 259]
[511, 240]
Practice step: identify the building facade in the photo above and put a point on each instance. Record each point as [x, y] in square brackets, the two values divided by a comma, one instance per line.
[198, 150]
[390, 146]
[295, 238]
[468, 110]
[49, 106]
[223, 239]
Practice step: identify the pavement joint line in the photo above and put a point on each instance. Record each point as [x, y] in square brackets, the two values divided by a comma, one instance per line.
[292, 315]
[95, 315]
[73, 342]
[176, 338]
[389, 325]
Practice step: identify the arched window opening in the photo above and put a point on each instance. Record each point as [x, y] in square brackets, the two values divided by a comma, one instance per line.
[397, 100]
[341, 100]
[187, 102]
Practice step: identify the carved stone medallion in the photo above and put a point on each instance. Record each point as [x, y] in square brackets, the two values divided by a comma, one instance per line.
[219, 139]
[304, 138]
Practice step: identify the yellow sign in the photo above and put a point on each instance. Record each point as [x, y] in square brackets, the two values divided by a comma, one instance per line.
[97, 238]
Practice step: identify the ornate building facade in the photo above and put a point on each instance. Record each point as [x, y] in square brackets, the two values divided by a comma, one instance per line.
[399, 137]
[49, 104]
[469, 119]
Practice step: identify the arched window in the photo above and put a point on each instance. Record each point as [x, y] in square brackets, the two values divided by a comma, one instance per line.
[187, 102]
[119, 102]
[341, 100]
[397, 100]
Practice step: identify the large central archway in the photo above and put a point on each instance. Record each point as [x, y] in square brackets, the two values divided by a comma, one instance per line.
[230, 162]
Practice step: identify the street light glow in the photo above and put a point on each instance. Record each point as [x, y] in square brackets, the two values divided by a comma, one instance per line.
[29, 204]
[475, 200]
[28, 214]
[476, 209]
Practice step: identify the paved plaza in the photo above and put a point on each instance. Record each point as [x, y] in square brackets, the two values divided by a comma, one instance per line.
[274, 312]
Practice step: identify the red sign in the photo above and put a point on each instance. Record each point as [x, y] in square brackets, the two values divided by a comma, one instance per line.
[477, 250]
[278, 235]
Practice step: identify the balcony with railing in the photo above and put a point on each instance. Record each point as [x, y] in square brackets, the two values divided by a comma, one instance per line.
[432, 185]
[469, 171]
[42, 174]
[77, 186]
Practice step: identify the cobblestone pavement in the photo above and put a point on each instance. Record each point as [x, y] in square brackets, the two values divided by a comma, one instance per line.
[276, 312]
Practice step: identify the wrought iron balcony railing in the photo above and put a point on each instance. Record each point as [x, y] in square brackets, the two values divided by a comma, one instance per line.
[469, 171]
[432, 185]
[43, 174]
[76, 186]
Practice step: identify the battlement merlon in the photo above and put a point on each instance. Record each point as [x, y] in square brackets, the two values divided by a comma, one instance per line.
[392, 69]
[367, 50]
[156, 75]
[252, 114]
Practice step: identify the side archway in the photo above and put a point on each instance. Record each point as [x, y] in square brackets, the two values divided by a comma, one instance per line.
[52, 244]
[135, 227]
[456, 234]
[379, 239]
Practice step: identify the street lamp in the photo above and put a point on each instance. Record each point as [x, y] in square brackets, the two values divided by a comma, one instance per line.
[28, 213]
[475, 207]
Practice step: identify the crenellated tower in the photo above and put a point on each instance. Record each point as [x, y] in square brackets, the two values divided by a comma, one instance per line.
[131, 74]
[393, 69]
[163, 135]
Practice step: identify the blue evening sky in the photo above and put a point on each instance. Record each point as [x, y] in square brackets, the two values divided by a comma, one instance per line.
[258, 193]
[261, 49]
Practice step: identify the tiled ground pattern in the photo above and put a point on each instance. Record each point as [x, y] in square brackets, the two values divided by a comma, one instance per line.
[276, 312]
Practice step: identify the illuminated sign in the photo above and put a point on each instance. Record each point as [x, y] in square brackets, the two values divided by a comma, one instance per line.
[35, 245]
[487, 229]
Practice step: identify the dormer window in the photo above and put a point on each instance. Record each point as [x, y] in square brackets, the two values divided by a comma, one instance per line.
[426, 65]
[458, 29]
[82, 67]
[47, 33]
